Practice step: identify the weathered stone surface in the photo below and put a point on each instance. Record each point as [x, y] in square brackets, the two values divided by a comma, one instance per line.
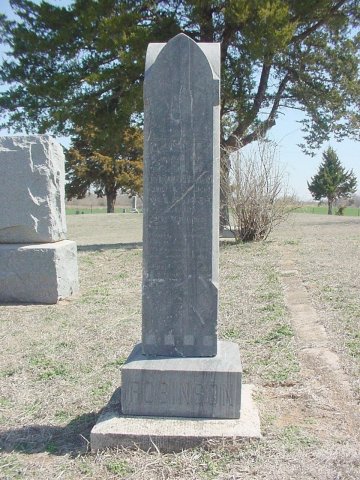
[32, 192]
[181, 198]
[113, 429]
[184, 387]
[38, 273]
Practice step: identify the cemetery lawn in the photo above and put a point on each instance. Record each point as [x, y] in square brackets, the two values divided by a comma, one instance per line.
[60, 364]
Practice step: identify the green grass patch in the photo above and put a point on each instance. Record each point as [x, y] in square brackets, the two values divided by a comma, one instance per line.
[278, 333]
[354, 345]
[10, 468]
[276, 362]
[120, 468]
[4, 402]
[47, 368]
[323, 210]
[231, 333]
[102, 389]
[9, 372]
[63, 416]
[89, 210]
[293, 438]
[119, 362]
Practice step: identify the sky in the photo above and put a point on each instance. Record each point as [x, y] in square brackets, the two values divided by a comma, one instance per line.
[287, 135]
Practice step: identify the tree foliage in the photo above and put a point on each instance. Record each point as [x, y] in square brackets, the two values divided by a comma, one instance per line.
[83, 64]
[107, 169]
[332, 180]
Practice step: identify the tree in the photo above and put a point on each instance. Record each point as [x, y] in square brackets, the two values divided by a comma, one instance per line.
[118, 166]
[258, 195]
[68, 67]
[332, 181]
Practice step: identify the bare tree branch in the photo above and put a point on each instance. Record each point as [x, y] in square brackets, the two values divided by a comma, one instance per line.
[264, 126]
[257, 194]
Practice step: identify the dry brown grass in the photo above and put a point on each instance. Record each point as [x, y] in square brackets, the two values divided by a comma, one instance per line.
[60, 364]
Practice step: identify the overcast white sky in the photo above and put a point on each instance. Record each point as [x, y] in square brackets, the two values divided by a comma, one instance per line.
[287, 135]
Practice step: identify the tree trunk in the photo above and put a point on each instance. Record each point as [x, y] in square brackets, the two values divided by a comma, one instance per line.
[224, 192]
[110, 201]
[330, 205]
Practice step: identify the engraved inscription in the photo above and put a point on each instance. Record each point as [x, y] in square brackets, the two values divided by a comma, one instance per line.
[181, 193]
[185, 393]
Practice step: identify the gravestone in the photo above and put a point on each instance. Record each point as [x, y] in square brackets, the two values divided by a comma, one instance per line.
[180, 369]
[32, 190]
[133, 204]
[37, 263]
[181, 196]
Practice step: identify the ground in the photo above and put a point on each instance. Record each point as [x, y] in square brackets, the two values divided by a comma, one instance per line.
[291, 303]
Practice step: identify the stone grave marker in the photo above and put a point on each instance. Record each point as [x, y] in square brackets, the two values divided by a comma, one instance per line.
[180, 369]
[181, 200]
[134, 204]
[37, 263]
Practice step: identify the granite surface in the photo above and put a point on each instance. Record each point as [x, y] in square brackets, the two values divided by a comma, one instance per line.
[206, 387]
[181, 199]
[38, 273]
[32, 190]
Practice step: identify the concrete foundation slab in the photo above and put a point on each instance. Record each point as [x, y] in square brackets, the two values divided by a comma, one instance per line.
[38, 273]
[207, 387]
[171, 434]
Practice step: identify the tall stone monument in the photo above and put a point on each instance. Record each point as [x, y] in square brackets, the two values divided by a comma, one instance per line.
[181, 198]
[180, 369]
[37, 263]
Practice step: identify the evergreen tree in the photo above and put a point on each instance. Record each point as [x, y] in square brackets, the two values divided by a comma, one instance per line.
[117, 166]
[70, 67]
[332, 181]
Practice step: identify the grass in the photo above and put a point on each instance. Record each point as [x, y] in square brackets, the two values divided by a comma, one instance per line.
[323, 210]
[46, 368]
[60, 364]
[88, 210]
[120, 468]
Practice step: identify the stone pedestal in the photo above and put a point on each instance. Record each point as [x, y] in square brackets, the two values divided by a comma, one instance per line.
[171, 434]
[38, 273]
[205, 387]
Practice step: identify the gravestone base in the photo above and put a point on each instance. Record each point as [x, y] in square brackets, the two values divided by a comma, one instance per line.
[172, 434]
[38, 273]
[207, 387]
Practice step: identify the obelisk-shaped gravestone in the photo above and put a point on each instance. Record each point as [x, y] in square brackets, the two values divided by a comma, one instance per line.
[181, 369]
[181, 199]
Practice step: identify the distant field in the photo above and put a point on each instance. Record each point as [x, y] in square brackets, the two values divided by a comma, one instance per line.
[349, 211]
[82, 210]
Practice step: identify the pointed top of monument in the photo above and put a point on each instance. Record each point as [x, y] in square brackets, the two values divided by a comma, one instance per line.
[210, 50]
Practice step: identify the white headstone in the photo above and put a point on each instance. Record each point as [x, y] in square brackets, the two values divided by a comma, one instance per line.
[32, 190]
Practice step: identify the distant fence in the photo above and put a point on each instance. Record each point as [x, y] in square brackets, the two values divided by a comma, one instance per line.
[80, 210]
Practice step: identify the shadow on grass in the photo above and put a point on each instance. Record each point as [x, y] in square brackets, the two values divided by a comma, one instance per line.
[73, 439]
[109, 246]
